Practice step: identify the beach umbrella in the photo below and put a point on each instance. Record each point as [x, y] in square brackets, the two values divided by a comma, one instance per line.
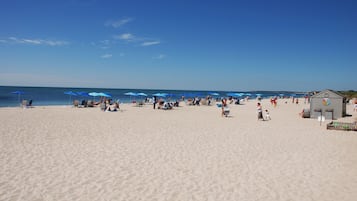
[104, 95]
[163, 95]
[82, 93]
[70, 93]
[130, 94]
[213, 93]
[236, 95]
[94, 94]
[141, 94]
[98, 94]
[19, 93]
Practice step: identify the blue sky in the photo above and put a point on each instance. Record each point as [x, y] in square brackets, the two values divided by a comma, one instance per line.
[199, 45]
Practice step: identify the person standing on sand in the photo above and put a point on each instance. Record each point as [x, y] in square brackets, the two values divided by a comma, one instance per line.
[267, 115]
[260, 111]
[224, 104]
[155, 101]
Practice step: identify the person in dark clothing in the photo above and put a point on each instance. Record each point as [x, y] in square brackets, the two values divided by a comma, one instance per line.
[155, 101]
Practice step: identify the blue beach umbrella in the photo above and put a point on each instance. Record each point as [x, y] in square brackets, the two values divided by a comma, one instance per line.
[94, 94]
[19, 93]
[142, 94]
[104, 95]
[83, 94]
[130, 94]
[70, 93]
[163, 95]
[236, 95]
[213, 93]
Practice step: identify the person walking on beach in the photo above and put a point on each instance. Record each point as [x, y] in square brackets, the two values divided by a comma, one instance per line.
[224, 105]
[267, 115]
[155, 101]
[260, 111]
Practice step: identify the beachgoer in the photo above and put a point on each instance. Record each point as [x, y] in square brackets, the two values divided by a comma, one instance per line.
[155, 101]
[267, 115]
[116, 106]
[260, 111]
[224, 104]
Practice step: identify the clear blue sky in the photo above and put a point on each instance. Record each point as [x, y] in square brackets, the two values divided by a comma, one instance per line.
[183, 44]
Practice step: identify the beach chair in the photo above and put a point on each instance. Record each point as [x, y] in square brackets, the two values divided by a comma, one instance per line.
[29, 104]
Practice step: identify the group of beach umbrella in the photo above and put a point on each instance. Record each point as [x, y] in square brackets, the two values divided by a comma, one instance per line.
[18, 93]
[135, 94]
[85, 94]
[159, 94]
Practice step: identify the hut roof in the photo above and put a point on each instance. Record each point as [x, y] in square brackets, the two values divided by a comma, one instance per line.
[330, 92]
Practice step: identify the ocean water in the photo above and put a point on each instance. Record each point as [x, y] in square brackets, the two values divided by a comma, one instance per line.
[56, 95]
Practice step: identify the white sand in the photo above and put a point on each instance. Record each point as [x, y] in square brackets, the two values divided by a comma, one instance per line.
[188, 153]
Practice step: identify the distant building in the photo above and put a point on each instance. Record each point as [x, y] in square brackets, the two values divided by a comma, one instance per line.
[328, 103]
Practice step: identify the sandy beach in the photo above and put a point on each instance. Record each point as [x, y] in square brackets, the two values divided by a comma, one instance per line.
[61, 153]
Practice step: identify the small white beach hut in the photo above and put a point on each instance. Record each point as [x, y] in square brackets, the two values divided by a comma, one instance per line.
[328, 103]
